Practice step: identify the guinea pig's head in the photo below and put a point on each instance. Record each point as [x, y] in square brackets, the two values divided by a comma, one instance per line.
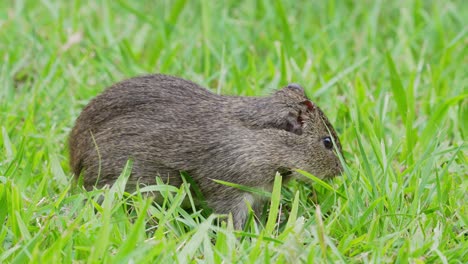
[314, 137]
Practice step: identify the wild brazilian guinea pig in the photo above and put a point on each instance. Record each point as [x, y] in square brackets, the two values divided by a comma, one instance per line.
[167, 125]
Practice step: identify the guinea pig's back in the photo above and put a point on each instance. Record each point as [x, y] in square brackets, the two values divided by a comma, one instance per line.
[136, 111]
[150, 93]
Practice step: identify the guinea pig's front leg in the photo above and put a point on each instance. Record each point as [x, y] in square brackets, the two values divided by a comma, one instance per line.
[234, 202]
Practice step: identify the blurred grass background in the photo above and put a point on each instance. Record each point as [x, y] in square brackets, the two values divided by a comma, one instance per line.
[391, 76]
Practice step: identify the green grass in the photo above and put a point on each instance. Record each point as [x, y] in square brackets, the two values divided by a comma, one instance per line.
[391, 76]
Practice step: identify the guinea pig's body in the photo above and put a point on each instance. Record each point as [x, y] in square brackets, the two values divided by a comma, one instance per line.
[167, 125]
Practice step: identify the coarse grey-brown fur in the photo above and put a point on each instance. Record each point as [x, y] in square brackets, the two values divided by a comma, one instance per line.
[167, 125]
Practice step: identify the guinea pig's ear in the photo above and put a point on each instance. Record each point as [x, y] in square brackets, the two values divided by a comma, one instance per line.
[310, 106]
[298, 104]
[291, 93]
[294, 123]
[296, 88]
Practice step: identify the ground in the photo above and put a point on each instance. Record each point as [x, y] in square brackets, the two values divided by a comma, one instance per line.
[390, 75]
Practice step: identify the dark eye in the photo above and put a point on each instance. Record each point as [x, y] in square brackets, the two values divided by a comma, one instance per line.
[327, 142]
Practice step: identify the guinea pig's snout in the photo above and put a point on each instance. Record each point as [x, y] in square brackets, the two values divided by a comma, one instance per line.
[339, 165]
[339, 168]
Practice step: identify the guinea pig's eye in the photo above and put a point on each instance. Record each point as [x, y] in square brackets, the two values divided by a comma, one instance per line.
[328, 142]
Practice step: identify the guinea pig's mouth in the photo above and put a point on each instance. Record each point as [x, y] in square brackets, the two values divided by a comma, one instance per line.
[336, 174]
[285, 172]
[330, 177]
[333, 174]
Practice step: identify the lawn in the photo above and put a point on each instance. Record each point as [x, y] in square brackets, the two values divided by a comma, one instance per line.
[391, 76]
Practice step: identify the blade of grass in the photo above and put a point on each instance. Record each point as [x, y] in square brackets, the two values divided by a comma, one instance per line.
[191, 246]
[274, 205]
[244, 188]
[321, 183]
[135, 236]
[399, 94]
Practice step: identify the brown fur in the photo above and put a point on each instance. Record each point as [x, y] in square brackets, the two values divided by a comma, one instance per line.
[167, 125]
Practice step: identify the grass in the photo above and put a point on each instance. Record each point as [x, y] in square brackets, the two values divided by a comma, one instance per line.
[391, 76]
